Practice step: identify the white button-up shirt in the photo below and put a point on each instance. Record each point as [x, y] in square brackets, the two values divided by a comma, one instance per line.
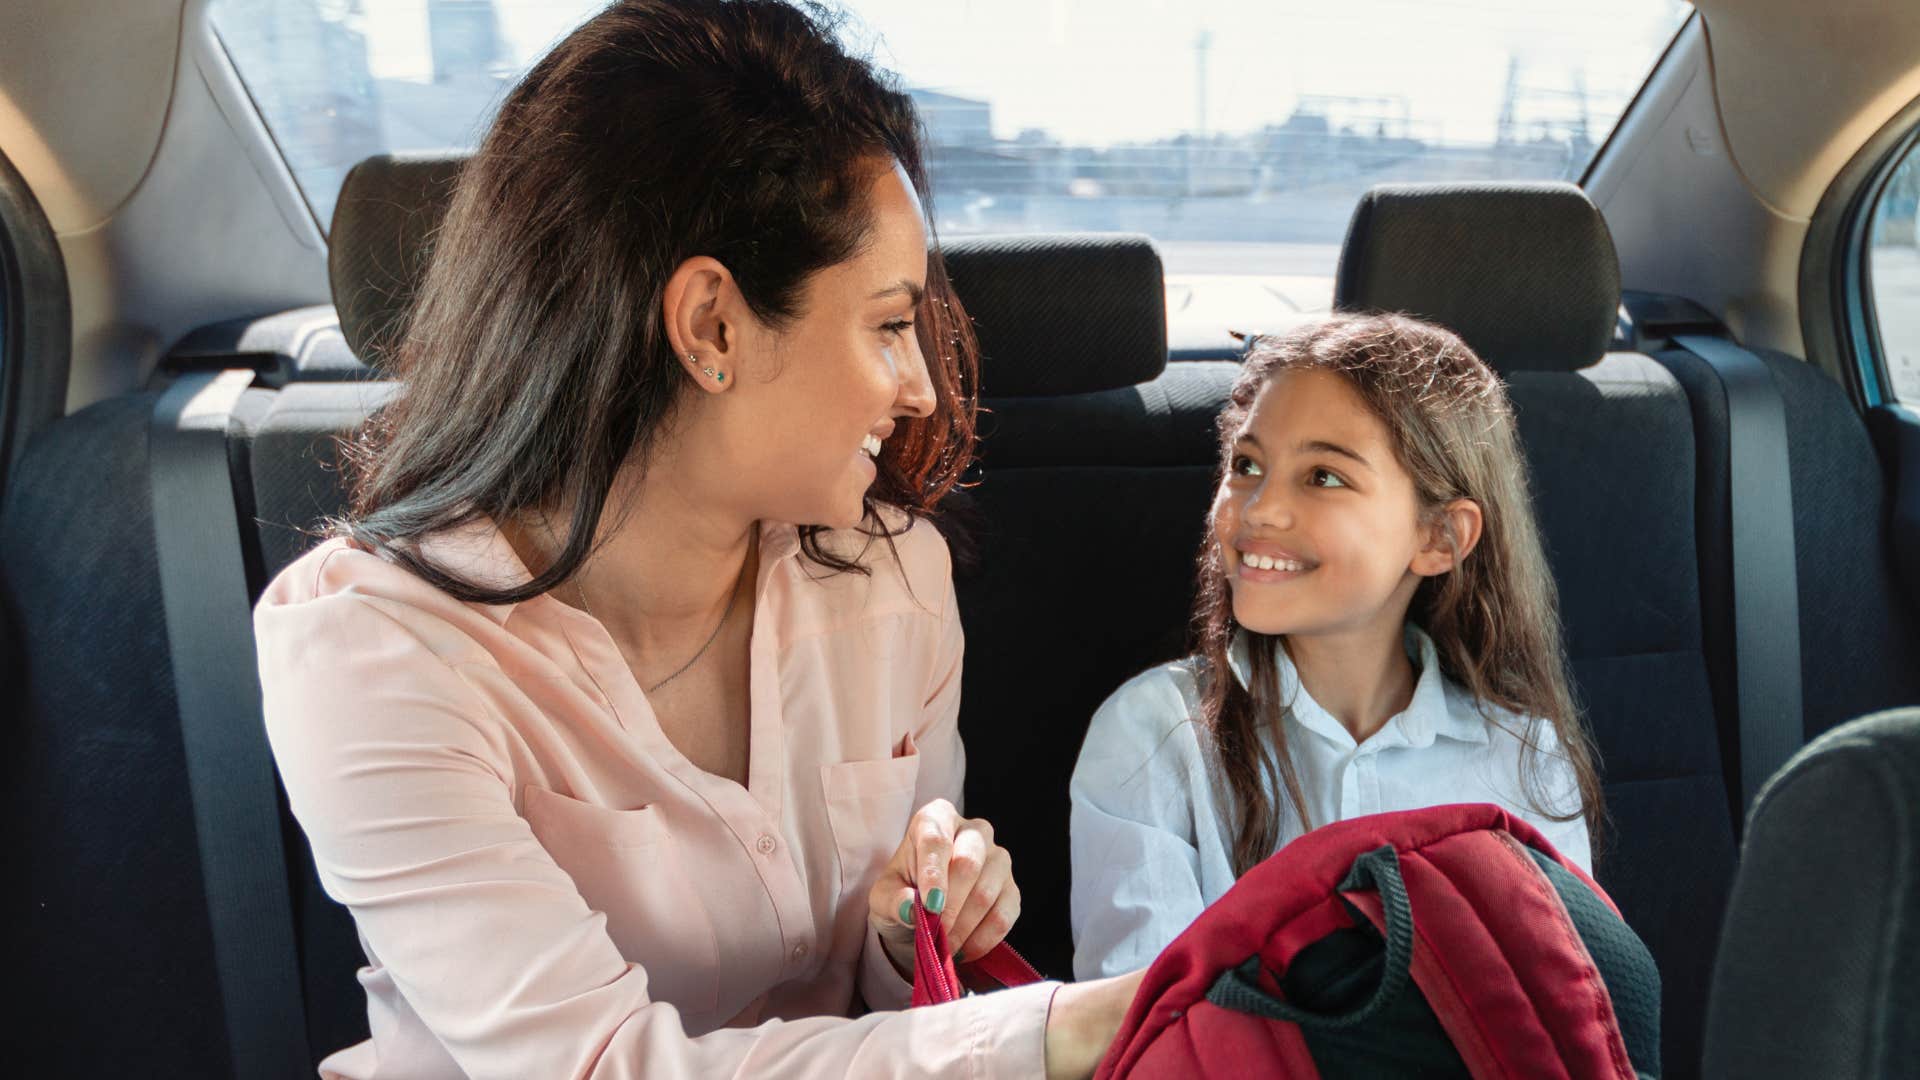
[1153, 843]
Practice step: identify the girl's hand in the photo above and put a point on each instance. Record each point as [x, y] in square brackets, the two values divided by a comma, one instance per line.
[963, 877]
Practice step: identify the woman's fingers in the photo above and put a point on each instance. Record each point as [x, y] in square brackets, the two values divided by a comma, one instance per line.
[995, 881]
[890, 901]
[960, 875]
[932, 832]
[972, 850]
[994, 925]
[919, 862]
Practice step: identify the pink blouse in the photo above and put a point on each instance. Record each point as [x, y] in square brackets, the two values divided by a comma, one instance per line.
[545, 887]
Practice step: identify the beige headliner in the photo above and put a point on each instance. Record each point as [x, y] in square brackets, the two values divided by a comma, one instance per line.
[84, 90]
[1802, 84]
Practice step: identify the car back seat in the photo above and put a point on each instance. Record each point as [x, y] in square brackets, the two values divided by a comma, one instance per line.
[1086, 515]
[114, 926]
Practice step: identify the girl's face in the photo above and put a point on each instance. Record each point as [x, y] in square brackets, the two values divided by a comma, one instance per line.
[1318, 523]
[813, 403]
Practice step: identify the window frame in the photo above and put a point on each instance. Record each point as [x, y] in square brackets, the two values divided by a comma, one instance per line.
[1837, 312]
[35, 319]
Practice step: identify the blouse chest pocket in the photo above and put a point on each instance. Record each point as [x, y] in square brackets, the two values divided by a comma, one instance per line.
[868, 806]
[627, 866]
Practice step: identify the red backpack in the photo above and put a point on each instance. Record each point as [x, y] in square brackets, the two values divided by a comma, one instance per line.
[1446, 942]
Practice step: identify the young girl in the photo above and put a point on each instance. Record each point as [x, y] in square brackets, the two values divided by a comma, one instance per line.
[1376, 627]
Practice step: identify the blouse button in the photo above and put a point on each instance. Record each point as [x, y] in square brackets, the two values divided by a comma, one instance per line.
[799, 952]
[766, 845]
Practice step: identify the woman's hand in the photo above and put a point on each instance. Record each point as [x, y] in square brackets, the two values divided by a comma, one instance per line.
[963, 877]
[1083, 1021]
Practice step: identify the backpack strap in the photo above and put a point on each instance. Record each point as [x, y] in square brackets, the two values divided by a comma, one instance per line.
[1238, 988]
[1505, 967]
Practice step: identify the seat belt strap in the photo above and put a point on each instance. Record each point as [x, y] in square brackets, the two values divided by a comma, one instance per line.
[1766, 590]
[230, 771]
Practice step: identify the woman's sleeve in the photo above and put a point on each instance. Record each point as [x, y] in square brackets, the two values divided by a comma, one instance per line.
[401, 781]
[1136, 872]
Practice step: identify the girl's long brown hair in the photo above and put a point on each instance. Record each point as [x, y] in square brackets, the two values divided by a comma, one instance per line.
[1494, 618]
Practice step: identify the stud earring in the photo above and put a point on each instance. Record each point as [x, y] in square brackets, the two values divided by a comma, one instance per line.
[712, 373]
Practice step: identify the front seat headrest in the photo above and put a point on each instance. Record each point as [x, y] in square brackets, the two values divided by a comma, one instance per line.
[1525, 273]
[1062, 313]
[1055, 314]
[381, 240]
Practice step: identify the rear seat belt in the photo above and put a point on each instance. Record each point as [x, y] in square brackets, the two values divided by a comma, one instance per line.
[230, 771]
[1766, 590]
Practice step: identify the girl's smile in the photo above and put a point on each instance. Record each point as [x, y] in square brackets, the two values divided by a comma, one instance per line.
[1318, 524]
[1260, 564]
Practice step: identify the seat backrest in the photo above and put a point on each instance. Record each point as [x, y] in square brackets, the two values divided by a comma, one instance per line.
[114, 916]
[1526, 274]
[114, 926]
[1094, 476]
[1819, 965]
[1859, 631]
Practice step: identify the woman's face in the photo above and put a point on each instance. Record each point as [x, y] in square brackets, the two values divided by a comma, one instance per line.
[814, 402]
[1317, 521]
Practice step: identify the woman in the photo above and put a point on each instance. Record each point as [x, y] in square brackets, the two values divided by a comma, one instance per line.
[608, 708]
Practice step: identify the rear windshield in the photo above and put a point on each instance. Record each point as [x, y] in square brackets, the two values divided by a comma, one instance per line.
[1238, 135]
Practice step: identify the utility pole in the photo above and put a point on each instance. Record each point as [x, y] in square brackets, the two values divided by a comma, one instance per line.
[1200, 46]
[1507, 134]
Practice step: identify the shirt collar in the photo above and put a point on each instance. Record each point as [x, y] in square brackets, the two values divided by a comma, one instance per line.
[1430, 713]
[479, 552]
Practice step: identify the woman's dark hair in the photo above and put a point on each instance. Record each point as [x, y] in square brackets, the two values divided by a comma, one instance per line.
[535, 359]
[1494, 618]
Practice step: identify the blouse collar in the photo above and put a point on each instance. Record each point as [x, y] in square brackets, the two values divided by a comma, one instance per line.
[1429, 713]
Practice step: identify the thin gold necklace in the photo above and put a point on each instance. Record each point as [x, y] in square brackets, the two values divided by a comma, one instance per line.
[733, 597]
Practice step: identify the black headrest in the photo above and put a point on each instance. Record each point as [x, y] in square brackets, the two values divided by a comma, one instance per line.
[1525, 273]
[1059, 314]
[1062, 314]
[382, 233]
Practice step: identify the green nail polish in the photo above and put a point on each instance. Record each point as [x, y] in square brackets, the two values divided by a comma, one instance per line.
[906, 912]
[936, 900]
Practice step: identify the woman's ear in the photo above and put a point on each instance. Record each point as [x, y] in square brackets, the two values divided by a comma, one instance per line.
[1449, 538]
[698, 308]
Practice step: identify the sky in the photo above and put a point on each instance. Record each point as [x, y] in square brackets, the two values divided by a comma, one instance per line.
[1102, 72]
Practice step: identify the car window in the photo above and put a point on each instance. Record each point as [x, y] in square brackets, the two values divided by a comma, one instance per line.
[1238, 134]
[1893, 269]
